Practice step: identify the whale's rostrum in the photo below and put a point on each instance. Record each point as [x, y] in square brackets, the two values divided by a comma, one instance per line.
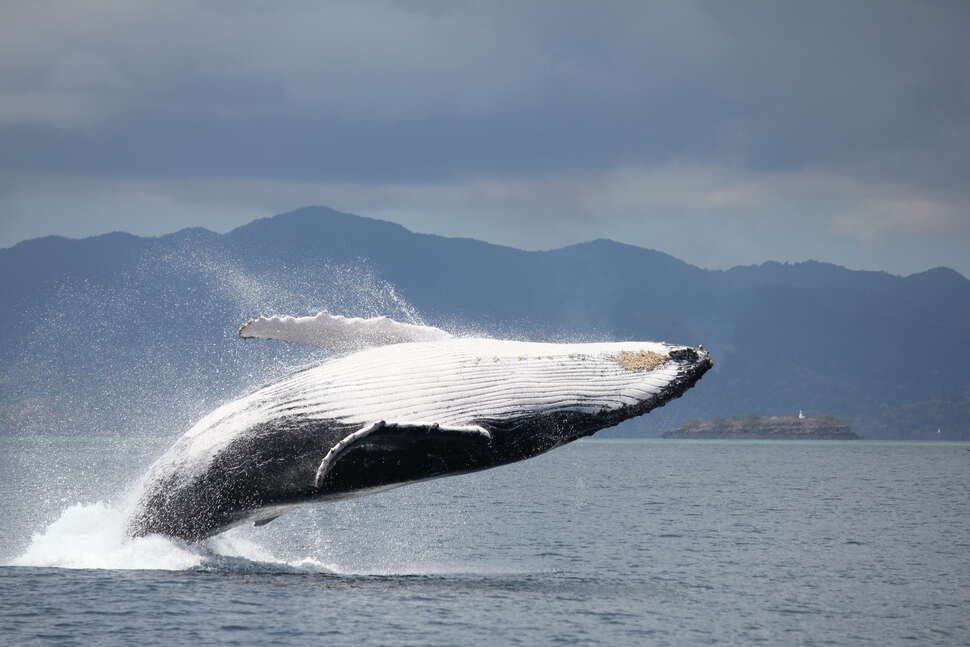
[403, 404]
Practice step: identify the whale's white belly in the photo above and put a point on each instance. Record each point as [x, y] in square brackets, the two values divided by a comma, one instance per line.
[450, 383]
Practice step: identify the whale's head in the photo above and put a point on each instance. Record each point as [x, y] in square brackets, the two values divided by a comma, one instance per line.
[572, 389]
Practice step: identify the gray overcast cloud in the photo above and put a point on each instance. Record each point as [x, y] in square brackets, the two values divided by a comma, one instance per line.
[723, 133]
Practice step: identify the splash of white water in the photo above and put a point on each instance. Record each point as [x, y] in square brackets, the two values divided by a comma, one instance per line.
[93, 536]
[156, 383]
[154, 386]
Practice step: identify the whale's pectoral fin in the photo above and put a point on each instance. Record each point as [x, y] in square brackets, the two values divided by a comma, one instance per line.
[386, 453]
[336, 333]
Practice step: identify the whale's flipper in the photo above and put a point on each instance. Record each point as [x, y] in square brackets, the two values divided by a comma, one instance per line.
[413, 451]
[336, 333]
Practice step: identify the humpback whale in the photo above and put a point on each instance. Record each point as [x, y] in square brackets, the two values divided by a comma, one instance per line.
[397, 403]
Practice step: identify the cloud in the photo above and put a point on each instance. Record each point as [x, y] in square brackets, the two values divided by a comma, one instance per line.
[878, 217]
[387, 89]
[736, 125]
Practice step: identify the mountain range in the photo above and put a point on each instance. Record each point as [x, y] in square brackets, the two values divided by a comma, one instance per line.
[122, 334]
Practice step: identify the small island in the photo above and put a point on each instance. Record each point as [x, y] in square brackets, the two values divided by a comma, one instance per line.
[754, 427]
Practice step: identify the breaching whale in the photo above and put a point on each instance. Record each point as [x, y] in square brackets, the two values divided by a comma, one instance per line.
[398, 404]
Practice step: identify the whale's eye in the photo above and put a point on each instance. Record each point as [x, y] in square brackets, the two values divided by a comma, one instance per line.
[644, 360]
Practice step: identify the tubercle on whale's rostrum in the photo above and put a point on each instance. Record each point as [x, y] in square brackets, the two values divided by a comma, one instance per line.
[641, 360]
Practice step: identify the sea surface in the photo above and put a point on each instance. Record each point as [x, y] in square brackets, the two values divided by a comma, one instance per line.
[648, 542]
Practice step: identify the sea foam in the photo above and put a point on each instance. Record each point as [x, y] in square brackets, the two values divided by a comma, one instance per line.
[92, 536]
[88, 535]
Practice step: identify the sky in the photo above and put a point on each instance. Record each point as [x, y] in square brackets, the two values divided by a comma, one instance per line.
[723, 133]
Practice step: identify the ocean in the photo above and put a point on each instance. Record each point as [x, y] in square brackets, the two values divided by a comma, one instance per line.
[603, 542]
